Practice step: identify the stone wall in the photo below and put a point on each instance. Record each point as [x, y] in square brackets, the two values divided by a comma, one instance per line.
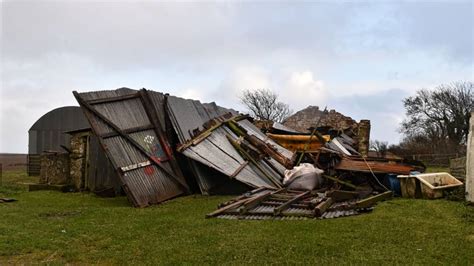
[78, 160]
[54, 169]
[308, 117]
[363, 137]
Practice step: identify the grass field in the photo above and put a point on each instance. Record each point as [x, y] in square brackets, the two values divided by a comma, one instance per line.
[57, 228]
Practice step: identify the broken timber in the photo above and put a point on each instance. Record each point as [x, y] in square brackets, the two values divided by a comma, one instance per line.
[377, 167]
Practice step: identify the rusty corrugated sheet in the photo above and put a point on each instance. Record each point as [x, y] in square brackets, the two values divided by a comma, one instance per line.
[358, 165]
[129, 128]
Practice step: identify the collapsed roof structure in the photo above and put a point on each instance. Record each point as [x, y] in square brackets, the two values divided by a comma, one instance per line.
[135, 129]
[163, 146]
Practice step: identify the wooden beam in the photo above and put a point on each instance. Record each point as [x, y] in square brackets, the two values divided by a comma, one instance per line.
[260, 144]
[322, 207]
[342, 195]
[377, 167]
[228, 207]
[160, 132]
[340, 181]
[113, 99]
[278, 210]
[252, 160]
[126, 131]
[241, 167]
[369, 202]
[257, 200]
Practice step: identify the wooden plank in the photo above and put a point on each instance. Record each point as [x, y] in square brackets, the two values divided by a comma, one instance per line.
[322, 207]
[241, 167]
[377, 167]
[126, 131]
[228, 207]
[257, 200]
[340, 181]
[342, 195]
[244, 196]
[253, 161]
[369, 202]
[260, 144]
[113, 99]
[160, 132]
[286, 205]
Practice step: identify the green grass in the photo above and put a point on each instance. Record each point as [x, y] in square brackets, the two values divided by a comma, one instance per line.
[54, 227]
[436, 169]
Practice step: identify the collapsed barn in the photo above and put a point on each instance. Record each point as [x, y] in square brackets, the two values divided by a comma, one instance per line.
[160, 147]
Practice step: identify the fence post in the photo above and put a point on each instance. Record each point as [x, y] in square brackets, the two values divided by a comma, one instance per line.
[470, 161]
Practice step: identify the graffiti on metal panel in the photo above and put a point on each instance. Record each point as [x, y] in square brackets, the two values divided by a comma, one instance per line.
[156, 151]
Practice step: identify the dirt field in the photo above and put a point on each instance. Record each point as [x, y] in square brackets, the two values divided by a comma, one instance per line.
[13, 161]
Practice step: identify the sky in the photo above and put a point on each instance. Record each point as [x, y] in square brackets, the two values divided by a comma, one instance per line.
[359, 58]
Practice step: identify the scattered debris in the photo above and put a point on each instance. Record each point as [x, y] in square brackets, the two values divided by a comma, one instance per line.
[263, 204]
[5, 200]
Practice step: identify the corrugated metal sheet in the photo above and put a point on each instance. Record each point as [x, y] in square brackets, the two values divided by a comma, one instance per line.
[101, 173]
[134, 143]
[215, 151]
[187, 116]
[190, 115]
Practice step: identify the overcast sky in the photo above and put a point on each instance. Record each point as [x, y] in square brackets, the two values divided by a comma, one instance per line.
[359, 58]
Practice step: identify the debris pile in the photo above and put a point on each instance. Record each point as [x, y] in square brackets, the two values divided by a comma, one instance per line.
[164, 146]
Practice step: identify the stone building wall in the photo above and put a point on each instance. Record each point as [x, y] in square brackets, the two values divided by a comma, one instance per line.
[308, 117]
[54, 169]
[78, 159]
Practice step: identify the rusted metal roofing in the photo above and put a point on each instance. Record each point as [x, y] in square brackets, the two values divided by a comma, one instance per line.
[129, 125]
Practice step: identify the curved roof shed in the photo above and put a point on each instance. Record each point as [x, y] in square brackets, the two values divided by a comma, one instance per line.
[47, 133]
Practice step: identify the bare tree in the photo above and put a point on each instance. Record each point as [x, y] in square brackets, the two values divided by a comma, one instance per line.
[440, 115]
[263, 104]
[380, 147]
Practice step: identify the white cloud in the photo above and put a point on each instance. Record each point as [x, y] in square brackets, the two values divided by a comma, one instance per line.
[301, 89]
[240, 79]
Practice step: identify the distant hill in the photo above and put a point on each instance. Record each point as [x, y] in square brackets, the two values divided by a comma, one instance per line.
[13, 161]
